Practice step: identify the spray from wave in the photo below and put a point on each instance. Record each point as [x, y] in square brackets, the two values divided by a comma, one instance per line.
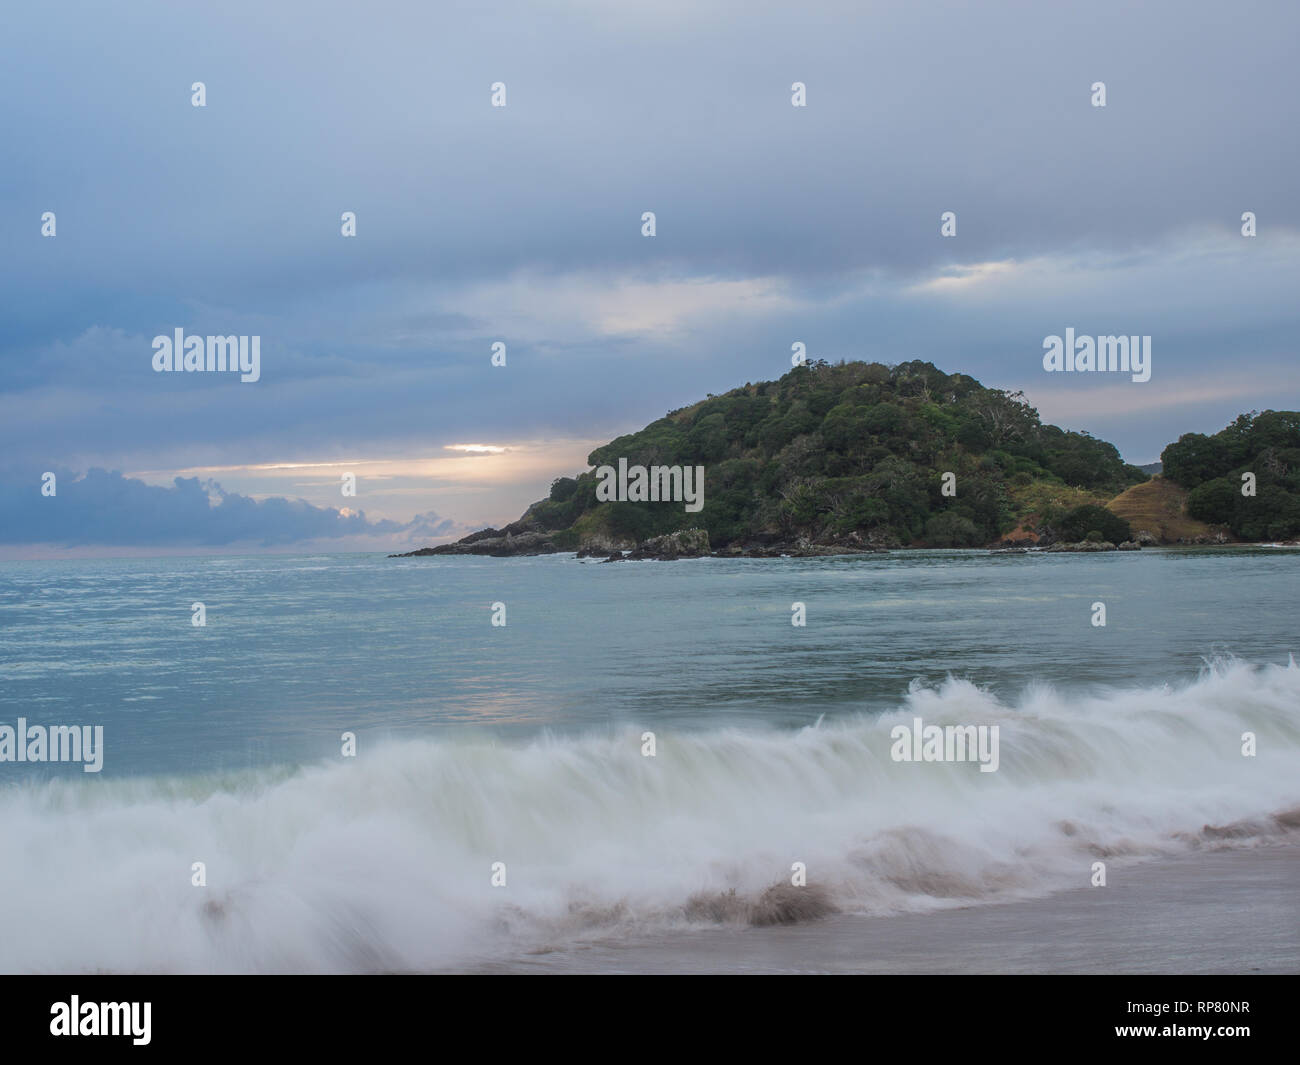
[385, 862]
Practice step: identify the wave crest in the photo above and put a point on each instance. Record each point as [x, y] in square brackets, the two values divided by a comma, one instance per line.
[384, 862]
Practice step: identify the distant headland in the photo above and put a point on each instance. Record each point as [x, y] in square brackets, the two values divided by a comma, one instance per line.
[858, 457]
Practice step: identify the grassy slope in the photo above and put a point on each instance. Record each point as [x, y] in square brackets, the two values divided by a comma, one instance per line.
[1160, 507]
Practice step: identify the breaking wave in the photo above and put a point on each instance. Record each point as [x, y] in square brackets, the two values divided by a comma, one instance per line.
[384, 862]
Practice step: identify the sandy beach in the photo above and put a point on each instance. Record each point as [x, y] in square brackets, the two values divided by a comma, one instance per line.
[1235, 911]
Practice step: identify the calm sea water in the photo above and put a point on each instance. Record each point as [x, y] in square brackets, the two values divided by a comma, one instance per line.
[297, 650]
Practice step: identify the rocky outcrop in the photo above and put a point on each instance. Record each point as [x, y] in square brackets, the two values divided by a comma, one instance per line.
[1215, 539]
[1097, 545]
[602, 545]
[517, 538]
[687, 543]
[528, 538]
[773, 545]
[1085, 545]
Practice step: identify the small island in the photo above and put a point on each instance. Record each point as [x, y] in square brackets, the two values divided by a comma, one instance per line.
[859, 458]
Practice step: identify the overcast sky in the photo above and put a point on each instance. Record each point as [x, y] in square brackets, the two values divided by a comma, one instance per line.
[522, 224]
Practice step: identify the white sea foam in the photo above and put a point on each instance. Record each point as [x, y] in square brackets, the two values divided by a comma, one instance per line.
[384, 862]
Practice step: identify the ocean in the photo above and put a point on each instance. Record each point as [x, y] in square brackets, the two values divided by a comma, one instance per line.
[644, 759]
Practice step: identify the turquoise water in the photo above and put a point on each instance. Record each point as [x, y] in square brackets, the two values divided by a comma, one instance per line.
[297, 650]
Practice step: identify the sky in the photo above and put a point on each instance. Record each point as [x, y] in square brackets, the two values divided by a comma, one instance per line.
[523, 225]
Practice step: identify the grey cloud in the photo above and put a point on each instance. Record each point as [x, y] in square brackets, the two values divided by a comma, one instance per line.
[105, 508]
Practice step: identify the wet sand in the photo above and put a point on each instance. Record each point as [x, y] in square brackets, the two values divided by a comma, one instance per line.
[1221, 912]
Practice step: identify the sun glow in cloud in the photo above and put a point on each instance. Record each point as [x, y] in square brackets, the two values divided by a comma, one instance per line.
[496, 464]
[483, 483]
[965, 277]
